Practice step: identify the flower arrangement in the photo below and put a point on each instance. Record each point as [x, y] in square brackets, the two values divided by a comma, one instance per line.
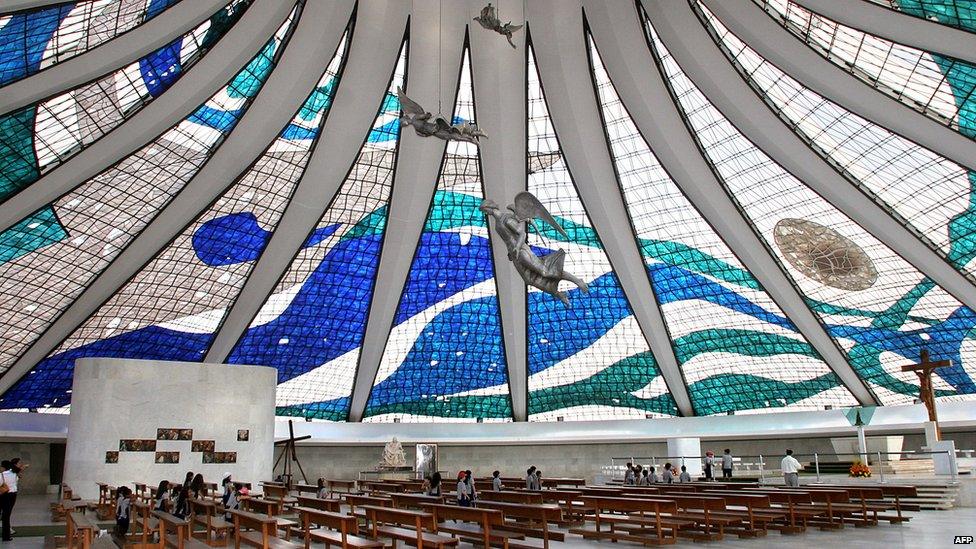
[860, 470]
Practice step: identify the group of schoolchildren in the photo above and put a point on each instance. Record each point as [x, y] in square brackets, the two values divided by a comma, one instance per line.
[175, 499]
[466, 492]
[637, 475]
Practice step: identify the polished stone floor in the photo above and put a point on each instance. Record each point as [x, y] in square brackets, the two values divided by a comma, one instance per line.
[926, 530]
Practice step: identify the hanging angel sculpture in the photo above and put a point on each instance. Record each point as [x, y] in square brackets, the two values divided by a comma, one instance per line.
[415, 115]
[489, 20]
[511, 224]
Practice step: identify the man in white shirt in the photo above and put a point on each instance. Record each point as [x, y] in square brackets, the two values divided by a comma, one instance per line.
[727, 464]
[791, 467]
[9, 476]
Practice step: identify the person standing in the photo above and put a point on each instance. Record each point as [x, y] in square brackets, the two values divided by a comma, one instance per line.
[496, 481]
[652, 476]
[727, 464]
[684, 476]
[667, 477]
[9, 498]
[435, 485]
[791, 469]
[630, 477]
[463, 491]
[709, 462]
[530, 478]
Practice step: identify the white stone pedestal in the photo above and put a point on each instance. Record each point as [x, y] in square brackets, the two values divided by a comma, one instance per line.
[849, 447]
[689, 447]
[118, 399]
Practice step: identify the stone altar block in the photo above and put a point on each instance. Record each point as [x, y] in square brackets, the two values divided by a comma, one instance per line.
[131, 419]
[884, 444]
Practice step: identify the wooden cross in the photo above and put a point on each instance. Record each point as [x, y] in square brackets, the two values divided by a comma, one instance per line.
[289, 454]
[926, 394]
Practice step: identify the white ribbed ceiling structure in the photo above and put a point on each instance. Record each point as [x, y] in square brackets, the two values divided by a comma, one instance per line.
[773, 201]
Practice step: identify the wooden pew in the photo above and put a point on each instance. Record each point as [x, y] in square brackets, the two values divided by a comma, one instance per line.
[271, 508]
[870, 498]
[897, 492]
[836, 504]
[414, 501]
[709, 514]
[757, 511]
[474, 525]
[413, 527]
[332, 505]
[512, 496]
[204, 512]
[567, 500]
[258, 531]
[81, 530]
[141, 517]
[180, 539]
[335, 485]
[279, 493]
[375, 486]
[530, 519]
[798, 509]
[655, 517]
[337, 529]
[557, 482]
[356, 503]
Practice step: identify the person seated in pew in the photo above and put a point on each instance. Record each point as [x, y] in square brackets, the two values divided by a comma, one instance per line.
[198, 489]
[233, 502]
[463, 491]
[652, 476]
[684, 476]
[229, 488]
[667, 477]
[181, 507]
[630, 477]
[123, 506]
[496, 481]
[435, 485]
[162, 497]
[323, 490]
[530, 477]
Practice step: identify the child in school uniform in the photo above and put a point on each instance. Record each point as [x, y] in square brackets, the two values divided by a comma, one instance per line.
[123, 507]
[652, 476]
[463, 491]
[496, 481]
[684, 476]
[667, 476]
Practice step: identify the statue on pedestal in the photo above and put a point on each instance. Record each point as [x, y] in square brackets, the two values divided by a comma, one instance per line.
[393, 455]
[544, 273]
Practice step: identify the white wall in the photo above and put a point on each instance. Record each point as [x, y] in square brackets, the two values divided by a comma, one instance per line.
[115, 399]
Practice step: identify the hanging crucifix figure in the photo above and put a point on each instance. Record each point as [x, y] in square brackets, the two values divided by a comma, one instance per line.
[926, 394]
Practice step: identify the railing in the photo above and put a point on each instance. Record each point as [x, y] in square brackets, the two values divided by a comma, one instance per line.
[757, 463]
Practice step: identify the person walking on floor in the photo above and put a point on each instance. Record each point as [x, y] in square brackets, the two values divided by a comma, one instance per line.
[791, 468]
[727, 464]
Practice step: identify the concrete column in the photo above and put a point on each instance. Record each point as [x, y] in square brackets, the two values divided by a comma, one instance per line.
[690, 449]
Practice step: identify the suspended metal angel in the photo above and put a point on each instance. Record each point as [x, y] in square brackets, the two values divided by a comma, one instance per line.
[544, 273]
[418, 117]
[489, 20]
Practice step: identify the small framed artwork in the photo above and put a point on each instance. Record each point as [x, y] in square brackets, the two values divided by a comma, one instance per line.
[220, 457]
[111, 456]
[202, 446]
[243, 435]
[174, 434]
[137, 445]
[167, 457]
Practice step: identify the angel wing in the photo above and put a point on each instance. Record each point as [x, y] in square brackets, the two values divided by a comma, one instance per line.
[527, 206]
[409, 106]
[509, 27]
[442, 124]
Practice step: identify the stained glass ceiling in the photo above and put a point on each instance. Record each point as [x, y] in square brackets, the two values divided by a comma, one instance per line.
[730, 344]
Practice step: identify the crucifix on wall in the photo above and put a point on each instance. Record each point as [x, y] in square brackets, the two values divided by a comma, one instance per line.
[926, 394]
